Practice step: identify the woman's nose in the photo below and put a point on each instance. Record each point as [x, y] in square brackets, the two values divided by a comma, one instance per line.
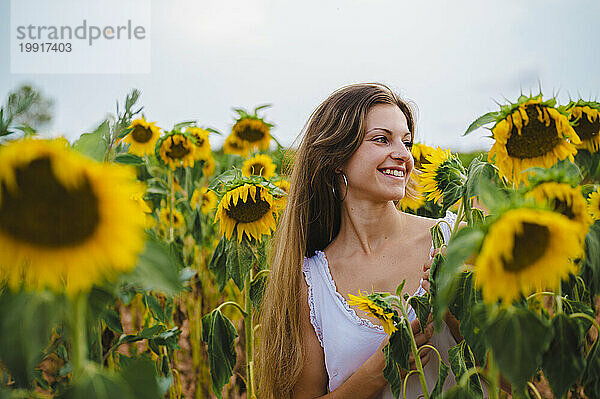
[401, 154]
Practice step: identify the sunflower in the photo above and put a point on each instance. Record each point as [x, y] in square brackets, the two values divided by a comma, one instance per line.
[284, 185]
[209, 165]
[165, 218]
[253, 131]
[413, 200]
[201, 140]
[259, 165]
[142, 137]
[205, 199]
[369, 306]
[565, 200]
[526, 250]
[420, 152]
[594, 205]
[248, 209]
[442, 171]
[176, 149]
[233, 145]
[532, 134]
[66, 222]
[586, 119]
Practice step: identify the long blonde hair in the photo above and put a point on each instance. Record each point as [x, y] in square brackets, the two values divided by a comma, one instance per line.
[309, 222]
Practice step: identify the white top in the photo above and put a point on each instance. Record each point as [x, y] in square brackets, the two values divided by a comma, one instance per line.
[349, 340]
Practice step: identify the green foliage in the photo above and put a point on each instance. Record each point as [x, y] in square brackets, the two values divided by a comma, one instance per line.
[439, 385]
[462, 245]
[219, 334]
[26, 324]
[422, 308]
[156, 270]
[591, 374]
[481, 121]
[136, 379]
[94, 145]
[564, 361]
[462, 359]
[239, 261]
[518, 339]
[392, 373]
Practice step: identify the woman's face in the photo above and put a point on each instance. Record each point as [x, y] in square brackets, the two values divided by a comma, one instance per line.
[380, 167]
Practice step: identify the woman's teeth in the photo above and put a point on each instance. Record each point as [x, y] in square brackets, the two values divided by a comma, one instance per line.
[394, 172]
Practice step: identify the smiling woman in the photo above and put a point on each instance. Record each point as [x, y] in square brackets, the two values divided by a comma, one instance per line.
[342, 233]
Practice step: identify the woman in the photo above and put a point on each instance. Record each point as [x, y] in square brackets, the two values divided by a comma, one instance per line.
[341, 232]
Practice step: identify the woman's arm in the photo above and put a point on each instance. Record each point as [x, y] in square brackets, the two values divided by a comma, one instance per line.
[366, 382]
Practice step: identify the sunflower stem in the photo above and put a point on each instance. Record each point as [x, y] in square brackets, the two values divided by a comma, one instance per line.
[171, 205]
[78, 333]
[415, 351]
[249, 337]
[459, 217]
[493, 377]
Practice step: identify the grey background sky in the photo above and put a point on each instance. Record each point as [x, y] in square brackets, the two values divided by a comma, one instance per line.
[452, 58]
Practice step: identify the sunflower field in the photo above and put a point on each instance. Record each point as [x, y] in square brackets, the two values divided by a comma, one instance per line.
[133, 260]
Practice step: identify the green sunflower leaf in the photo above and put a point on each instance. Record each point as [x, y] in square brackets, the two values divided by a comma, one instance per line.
[155, 308]
[472, 331]
[461, 359]
[239, 260]
[156, 270]
[518, 340]
[392, 373]
[26, 324]
[422, 308]
[564, 361]
[464, 296]
[218, 264]
[399, 346]
[257, 289]
[93, 144]
[590, 269]
[99, 384]
[482, 120]
[140, 376]
[460, 392]
[446, 277]
[128, 159]
[591, 374]
[437, 236]
[219, 333]
[437, 391]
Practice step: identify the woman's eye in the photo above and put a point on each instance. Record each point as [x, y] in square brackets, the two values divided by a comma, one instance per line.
[408, 144]
[381, 139]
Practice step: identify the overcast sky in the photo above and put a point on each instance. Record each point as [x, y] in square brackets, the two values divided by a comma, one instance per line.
[454, 59]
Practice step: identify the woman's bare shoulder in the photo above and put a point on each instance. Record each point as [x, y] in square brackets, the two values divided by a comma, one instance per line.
[420, 222]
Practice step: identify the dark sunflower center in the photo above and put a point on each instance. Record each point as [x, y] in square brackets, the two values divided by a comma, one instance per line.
[236, 145]
[177, 151]
[529, 246]
[536, 139]
[249, 211]
[175, 218]
[250, 134]
[141, 135]
[586, 129]
[257, 169]
[563, 208]
[45, 213]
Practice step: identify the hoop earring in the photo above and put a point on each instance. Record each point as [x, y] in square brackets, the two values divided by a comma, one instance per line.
[346, 183]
